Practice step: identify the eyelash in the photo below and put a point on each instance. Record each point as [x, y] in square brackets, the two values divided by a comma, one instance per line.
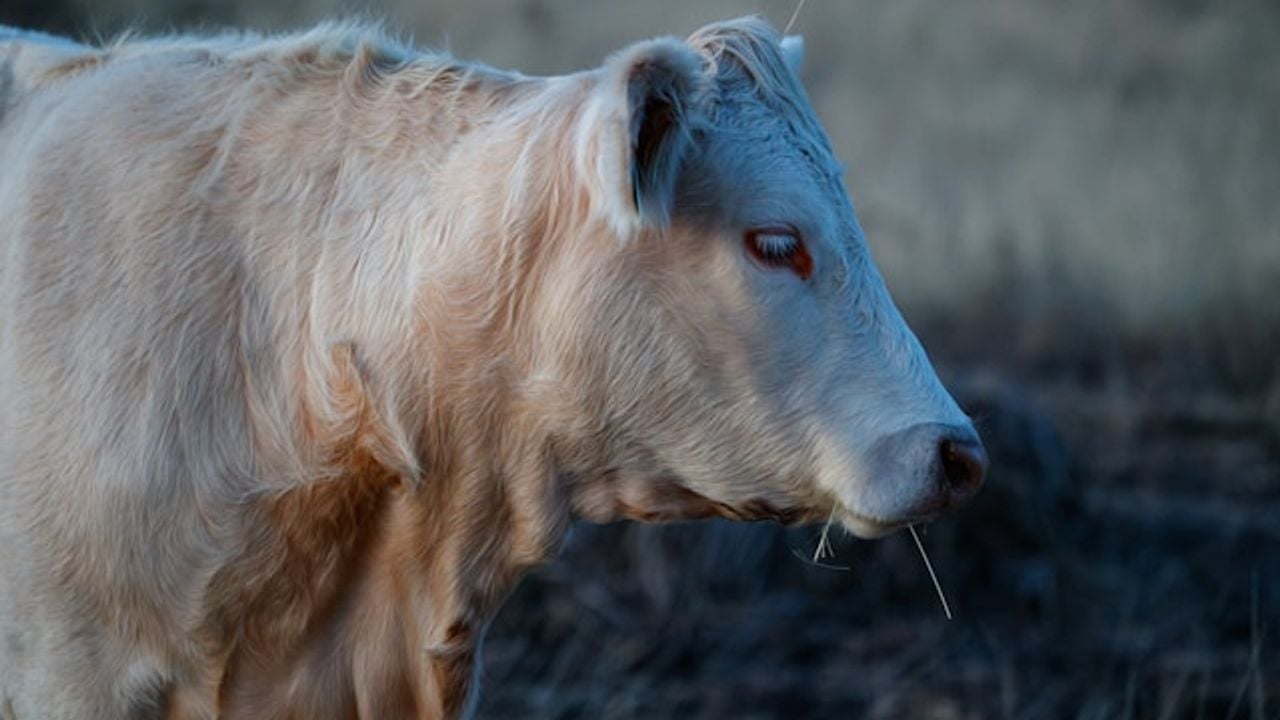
[780, 247]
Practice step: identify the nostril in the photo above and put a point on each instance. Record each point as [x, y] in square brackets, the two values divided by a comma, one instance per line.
[964, 465]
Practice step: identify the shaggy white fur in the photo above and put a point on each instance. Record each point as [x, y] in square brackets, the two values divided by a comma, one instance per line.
[311, 344]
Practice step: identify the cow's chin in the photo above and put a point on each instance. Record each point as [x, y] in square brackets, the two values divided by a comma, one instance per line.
[871, 528]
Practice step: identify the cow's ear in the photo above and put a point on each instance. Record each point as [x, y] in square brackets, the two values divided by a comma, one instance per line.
[793, 52]
[644, 110]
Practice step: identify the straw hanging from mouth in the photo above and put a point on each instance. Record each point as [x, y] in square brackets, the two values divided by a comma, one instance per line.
[929, 566]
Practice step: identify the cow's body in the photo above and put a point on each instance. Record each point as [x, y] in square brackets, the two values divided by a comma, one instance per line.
[298, 364]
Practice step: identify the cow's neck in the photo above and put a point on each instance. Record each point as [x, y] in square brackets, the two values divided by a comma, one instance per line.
[367, 594]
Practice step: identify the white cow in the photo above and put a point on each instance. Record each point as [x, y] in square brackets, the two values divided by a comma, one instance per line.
[311, 345]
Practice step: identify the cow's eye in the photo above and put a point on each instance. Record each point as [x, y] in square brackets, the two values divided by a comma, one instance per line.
[780, 247]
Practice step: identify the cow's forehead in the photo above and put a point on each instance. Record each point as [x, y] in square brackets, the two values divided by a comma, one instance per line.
[777, 155]
[773, 128]
[750, 79]
[756, 106]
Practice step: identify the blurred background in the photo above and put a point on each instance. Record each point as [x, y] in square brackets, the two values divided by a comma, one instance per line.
[1077, 205]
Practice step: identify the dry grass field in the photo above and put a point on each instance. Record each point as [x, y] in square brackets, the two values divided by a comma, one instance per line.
[1077, 204]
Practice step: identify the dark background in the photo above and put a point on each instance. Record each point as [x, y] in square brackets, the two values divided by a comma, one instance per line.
[1077, 205]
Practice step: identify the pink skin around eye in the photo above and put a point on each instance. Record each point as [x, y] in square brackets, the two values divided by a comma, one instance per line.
[798, 260]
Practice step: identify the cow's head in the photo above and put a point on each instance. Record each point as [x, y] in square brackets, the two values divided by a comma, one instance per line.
[725, 328]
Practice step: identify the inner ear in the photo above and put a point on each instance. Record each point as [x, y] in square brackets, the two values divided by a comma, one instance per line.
[657, 119]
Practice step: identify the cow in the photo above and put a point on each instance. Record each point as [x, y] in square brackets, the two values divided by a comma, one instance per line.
[311, 345]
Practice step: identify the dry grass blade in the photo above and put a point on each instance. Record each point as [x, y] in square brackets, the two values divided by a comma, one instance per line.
[824, 566]
[929, 566]
[824, 549]
[795, 14]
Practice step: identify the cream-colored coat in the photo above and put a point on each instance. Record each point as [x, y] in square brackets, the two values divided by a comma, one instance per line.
[311, 345]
